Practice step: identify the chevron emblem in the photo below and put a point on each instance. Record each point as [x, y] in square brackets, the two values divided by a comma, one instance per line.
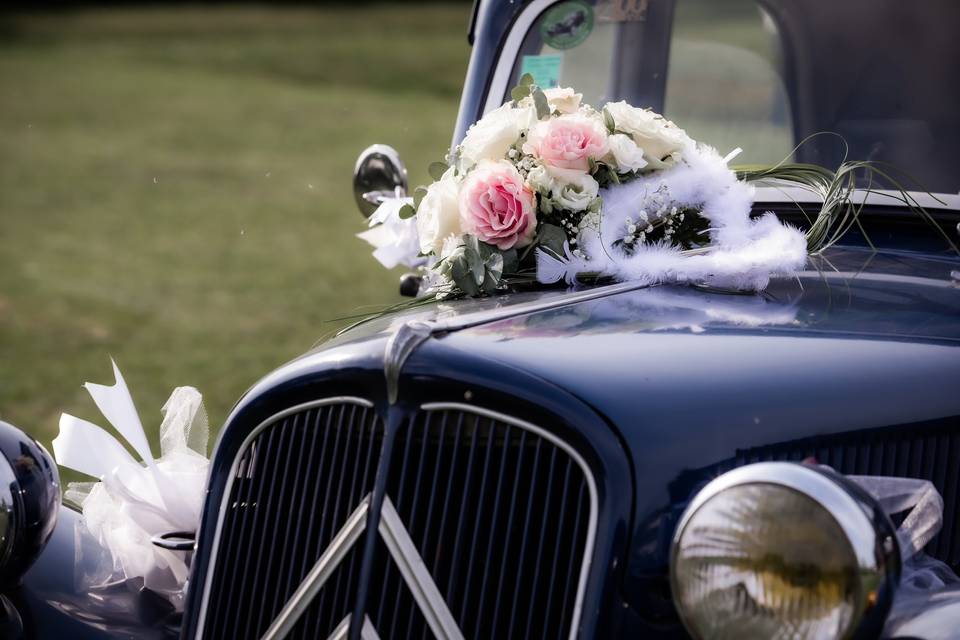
[404, 553]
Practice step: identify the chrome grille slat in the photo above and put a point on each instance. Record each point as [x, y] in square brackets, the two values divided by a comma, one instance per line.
[524, 537]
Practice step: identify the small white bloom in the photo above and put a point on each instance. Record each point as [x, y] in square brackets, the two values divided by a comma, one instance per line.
[539, 179]
[439, 214]
[451, 245]
[495, 133]
[626, 154]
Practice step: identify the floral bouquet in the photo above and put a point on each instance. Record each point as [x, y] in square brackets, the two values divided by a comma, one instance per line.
[547, 188]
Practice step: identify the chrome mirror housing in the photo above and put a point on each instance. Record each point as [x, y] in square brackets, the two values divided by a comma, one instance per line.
[379, 174]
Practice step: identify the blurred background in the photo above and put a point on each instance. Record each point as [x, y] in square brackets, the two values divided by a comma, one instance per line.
[175, 188]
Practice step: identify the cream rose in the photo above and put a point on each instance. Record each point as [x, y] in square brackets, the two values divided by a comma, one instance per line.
[567, 141]
[572, 190]
[492, 136]
[497, 207]
[438, 216]
[626, 154]
[563, 99]
[661, 140]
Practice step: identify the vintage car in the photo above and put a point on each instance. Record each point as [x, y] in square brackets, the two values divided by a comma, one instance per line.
[529, 464]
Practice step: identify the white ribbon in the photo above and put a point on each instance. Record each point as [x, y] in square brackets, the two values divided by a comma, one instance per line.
[134, 501]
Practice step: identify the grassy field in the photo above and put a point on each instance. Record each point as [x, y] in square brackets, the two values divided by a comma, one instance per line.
[175, 189]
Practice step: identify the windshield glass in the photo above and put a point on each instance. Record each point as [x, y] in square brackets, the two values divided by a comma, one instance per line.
[765, 75]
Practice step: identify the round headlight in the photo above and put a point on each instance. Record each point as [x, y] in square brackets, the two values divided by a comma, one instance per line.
[777, 550]
[29, 501]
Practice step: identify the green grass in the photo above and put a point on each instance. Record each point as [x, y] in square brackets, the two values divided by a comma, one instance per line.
[175, 189]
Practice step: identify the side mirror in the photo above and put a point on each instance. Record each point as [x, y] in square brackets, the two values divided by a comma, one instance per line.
[379, 174]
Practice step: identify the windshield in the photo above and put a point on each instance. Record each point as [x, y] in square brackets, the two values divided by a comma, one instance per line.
[764, 76]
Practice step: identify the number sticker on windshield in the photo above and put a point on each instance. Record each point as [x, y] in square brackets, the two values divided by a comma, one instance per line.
[567, 25]
[622, 10]
[544, 69]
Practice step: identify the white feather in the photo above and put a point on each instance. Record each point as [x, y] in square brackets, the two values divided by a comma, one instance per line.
[744, 252]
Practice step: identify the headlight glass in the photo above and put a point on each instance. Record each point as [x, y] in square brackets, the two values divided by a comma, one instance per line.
[760, 558]
[778, 551]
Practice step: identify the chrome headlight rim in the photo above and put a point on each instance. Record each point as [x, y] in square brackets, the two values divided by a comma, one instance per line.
[869, 532]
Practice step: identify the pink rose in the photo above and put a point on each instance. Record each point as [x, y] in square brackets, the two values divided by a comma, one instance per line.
[497, 207]
[568, 141]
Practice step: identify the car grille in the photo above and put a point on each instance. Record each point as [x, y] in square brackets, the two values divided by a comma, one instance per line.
[501, 512]
[296, 482]
[500, 515]
[931, 452]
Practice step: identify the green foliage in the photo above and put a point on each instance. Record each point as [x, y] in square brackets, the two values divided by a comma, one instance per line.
[523, 88]
[176, 190]
[418, 194]
[406, 212]
[541, 104]
[527, 88]
[552, 238]
[476, 268]
[437, 169]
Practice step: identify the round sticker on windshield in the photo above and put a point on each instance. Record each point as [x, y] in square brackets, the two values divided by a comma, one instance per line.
[567, 25]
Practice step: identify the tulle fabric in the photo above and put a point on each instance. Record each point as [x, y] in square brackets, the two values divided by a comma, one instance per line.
[135, 501]
[923, 579]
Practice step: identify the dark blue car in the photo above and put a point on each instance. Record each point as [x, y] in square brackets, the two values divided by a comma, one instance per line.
[524, 465]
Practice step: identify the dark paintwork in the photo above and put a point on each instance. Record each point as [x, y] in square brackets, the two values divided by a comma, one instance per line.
[54, 600]
[35, 495]
[680, 378]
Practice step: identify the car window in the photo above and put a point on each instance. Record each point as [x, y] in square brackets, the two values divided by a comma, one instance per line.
[721, 81]
[765, 75]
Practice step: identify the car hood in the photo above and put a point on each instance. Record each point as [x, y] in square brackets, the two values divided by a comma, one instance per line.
[858, 327]
[867, 340]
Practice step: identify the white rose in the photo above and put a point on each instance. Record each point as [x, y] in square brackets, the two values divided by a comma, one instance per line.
[564, 100]
[626, 154]
[438, 216]
[571, 190]
[492, 136]
[661, 140]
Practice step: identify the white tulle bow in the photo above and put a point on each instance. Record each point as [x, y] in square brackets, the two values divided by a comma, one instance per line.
[135, 501]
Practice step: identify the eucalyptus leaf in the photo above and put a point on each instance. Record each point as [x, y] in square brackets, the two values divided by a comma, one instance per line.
[522, 90]
[406, 212]
[462, 276]
[553, 238]
[437, 169]
[486, 250]
[541, 103]
[511, 260]
[519, 92]
[418, 195]
[494, 269]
